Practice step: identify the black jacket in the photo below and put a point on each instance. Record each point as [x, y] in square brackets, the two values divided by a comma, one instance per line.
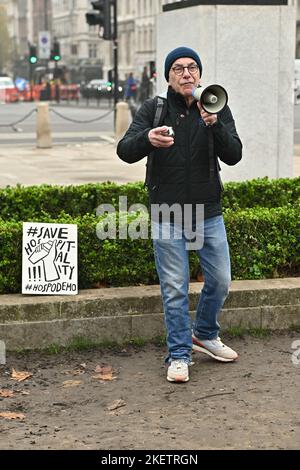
[181, 173]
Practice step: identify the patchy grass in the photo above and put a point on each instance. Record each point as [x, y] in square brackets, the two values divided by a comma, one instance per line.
[294, 328]
[241, 332]
[53, 349]
[80, 343]
[259, 332]
[136, 342]
[159, 340]
[236, 332]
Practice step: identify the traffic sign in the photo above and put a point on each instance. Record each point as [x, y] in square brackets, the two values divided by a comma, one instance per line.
[44, 45]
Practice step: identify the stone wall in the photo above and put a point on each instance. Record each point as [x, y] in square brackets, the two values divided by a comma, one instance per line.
[249, 49]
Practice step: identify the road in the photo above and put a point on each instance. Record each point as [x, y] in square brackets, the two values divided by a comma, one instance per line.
[66, 131]
[63, 130]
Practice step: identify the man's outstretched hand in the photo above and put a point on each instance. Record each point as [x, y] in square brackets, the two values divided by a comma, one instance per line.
[158, 137]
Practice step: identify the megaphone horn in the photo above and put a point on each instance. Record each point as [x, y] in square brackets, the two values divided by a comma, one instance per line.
[213, 98]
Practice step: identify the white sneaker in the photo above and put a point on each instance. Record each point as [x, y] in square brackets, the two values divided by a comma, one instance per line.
[214, 348]
[178, 371]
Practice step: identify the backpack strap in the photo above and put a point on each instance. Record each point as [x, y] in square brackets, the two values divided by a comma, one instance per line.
[160, 104]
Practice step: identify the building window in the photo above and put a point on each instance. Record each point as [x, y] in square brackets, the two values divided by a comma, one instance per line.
[93, 28]
[93, 51]
[74, 49]
[152, 47]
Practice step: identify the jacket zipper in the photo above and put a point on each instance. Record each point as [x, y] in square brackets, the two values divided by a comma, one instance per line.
[188, 160]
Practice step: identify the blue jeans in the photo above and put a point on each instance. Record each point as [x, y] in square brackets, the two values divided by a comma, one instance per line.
[172, 264]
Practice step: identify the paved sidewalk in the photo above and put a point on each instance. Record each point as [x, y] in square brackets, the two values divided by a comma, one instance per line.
[250, 404]
[74, 164]
[67, 164]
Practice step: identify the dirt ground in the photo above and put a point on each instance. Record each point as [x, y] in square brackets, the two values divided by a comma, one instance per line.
[250, 404]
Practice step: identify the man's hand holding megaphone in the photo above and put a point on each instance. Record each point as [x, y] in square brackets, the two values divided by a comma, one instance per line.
[209, 119]
[211, 101]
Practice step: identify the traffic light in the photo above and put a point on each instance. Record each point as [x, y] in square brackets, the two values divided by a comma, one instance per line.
[55, 52]
[152, 66]
[32, 55]
[102, 17]
[110, 76]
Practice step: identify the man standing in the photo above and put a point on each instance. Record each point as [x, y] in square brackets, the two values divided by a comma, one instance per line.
[130, 93]
[145, 86]
[185, 172]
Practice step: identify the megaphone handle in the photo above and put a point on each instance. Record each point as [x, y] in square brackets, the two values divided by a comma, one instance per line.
[207, 117]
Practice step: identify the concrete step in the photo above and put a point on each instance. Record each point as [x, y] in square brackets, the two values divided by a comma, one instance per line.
[120, 314]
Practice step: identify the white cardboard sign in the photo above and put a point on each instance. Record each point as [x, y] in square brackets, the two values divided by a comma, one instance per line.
[49, 259]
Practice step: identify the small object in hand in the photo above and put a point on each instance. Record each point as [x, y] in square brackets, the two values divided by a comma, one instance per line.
[170, 132]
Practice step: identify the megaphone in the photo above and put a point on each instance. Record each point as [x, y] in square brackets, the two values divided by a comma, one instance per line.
[213, 98]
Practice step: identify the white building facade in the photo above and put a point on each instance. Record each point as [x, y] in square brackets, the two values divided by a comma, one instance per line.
[249, 49]
[81, 48]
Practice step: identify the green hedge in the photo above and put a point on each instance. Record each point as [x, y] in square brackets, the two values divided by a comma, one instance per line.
[263, 243]
[262, 192]
[24, 203]
[262, 219]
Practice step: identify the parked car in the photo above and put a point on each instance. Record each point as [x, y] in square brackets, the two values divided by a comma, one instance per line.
[8, 91]
[97, 88]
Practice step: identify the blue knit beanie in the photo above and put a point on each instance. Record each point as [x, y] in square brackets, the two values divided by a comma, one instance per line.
[177, 54]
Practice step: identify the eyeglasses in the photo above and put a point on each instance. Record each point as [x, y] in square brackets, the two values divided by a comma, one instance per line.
[192, 68]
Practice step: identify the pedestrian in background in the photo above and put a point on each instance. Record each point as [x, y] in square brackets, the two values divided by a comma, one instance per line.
[145, 86]
[130, 93]
[130, 87]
